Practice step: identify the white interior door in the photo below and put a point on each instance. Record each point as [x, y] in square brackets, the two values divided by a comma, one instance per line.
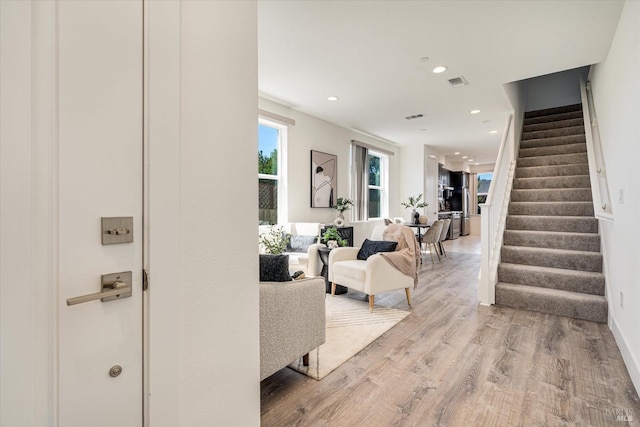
[100, 121]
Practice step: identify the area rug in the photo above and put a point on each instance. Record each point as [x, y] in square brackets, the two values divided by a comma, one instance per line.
[350, 328]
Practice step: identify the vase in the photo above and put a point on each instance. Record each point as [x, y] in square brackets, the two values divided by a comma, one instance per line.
[416, 217]
[339, 221]
[332, 244]
[423, 219]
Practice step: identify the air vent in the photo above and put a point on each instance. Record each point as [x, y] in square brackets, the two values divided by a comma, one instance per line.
[458, 81]
[415, 116]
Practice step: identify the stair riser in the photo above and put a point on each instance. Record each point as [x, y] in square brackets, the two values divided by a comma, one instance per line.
[581, 262]
[553, 118]
[595, 311]
[566, 159]
[553, 150]
[570, 225]
[552, 182]
[550, 142]
[584, 242]
[553, 111]
[551, 209]
[550, 133]
[543, 171]
[548, 280]
[553, 195]
[553, 125]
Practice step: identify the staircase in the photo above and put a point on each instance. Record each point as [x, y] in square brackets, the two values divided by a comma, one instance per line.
[551, 260]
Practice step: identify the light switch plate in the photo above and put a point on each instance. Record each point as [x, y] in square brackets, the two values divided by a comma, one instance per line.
[117, 229]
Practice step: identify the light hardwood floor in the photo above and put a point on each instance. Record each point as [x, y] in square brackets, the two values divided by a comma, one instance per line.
[454, 363]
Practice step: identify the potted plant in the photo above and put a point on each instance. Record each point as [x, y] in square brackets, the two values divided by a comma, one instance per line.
[415, 203]
[275, 241]
[332, 238]
[342, 204]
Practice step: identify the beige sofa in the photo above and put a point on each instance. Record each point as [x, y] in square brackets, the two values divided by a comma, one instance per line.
[292, 322]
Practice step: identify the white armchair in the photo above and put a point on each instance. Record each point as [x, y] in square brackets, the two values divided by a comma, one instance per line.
[370, 276]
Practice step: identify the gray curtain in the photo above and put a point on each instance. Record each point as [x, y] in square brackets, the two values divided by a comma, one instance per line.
[359, 182]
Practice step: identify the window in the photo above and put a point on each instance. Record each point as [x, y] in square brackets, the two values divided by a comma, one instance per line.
[484, 181]
[378, 184]
[271, 152]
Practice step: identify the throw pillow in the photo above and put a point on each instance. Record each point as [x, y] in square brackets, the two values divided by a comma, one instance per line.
[274, 268]
[371, 247]
[300, 243]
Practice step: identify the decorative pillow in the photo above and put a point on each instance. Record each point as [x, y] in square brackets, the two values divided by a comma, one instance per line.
[300, 243]
[274, 268]
[372, 247]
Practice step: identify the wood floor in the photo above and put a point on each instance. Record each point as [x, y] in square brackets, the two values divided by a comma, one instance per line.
[454, 363]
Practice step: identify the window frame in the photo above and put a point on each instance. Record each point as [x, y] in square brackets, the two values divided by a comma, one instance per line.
[384, 184]
[281, 176]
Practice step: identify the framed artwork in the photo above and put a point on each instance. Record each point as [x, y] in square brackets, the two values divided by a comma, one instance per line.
[324, 179]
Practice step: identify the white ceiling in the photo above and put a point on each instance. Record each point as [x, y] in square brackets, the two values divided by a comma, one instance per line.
[368, 54]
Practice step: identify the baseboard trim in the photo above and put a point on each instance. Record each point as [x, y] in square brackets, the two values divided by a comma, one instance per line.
[633, 367]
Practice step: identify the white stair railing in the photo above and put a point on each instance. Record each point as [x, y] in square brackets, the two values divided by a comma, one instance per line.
[597, 171]
[494, 215]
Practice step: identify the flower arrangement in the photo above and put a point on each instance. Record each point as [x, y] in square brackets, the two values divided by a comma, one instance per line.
[414, 202]
[343, 204]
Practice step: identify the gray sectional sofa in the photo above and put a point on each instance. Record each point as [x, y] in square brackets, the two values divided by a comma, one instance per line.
[292, 321]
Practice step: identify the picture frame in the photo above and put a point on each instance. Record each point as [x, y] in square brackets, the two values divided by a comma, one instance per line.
[324, 179]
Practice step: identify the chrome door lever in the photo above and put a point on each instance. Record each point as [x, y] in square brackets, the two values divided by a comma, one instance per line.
[114, 286]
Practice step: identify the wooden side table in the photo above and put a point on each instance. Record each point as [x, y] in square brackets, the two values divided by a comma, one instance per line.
[323, 252]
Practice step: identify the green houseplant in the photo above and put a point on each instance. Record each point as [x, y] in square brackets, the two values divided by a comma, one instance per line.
[275, 241]
[332, 234]
[415, 203]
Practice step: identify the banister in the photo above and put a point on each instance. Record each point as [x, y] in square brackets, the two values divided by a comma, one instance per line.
[496, 171]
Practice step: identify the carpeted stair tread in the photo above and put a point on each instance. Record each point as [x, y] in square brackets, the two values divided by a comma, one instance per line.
[553, 301]
[554, 132]
[589, 242]
[552, 223]
[553, 111]
[553, 118]
[551, 208]
[553, 150]
[552, 141]
[553, 160]
[586, 282]
[554, 125]
[540, 183]
[551, 195]
[558, 170]
[556, 258]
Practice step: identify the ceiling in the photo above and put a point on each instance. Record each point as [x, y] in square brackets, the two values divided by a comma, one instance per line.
[372, 55]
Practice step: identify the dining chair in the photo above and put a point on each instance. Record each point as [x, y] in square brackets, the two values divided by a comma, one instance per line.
[432, 237]
[443, 235]
[398, 220]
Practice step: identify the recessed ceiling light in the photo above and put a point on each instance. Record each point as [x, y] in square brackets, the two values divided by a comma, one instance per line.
[457, 153]
[440, 69]
[493, 131]
[474, 111]
[476, 164]
[332, 98]
[431, 156]
[464, 157]
[470, 160]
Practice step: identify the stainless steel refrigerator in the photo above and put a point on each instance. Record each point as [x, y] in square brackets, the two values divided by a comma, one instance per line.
[460, 200]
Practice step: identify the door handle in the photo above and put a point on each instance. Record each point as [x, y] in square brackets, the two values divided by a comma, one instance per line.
[114, 286]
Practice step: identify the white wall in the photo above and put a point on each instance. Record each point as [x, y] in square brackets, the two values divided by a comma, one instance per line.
[615, 92]
[310, 133]
[554, 90]
[204, 366]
